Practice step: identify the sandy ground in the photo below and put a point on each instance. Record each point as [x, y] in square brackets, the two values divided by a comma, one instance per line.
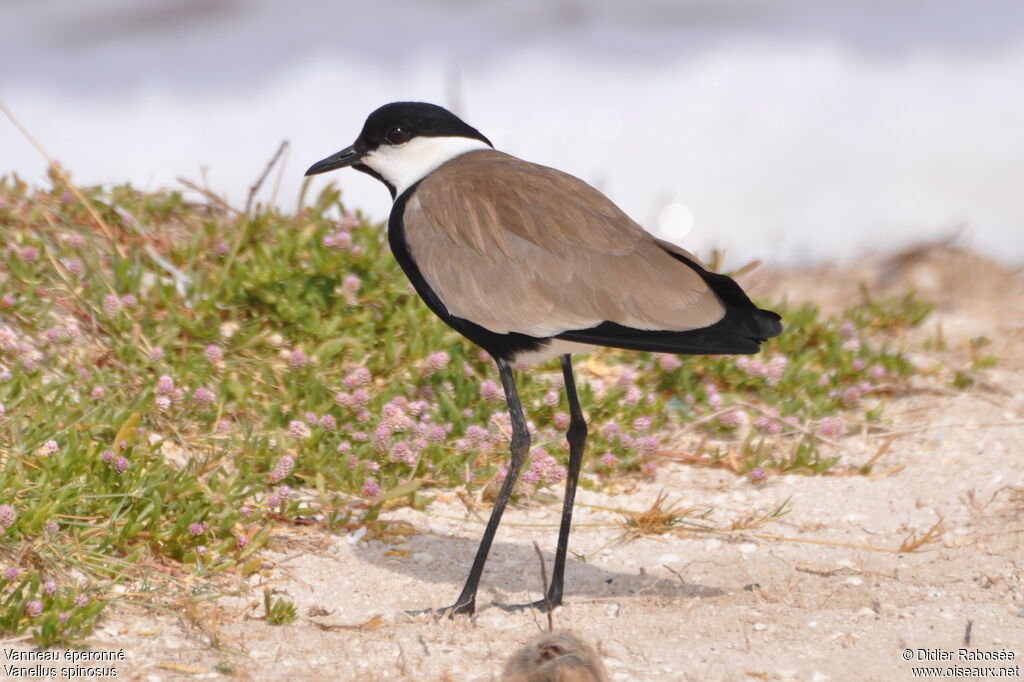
[826, 603]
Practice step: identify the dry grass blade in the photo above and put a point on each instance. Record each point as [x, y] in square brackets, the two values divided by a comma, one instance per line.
[658, 519]
[754, 520]
[102, 224]
[913, 542]
[263, 176]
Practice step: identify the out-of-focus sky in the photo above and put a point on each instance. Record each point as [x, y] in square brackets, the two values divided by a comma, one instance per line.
[790, 130]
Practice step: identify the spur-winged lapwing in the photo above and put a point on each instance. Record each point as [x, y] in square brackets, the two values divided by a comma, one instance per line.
[530, 263]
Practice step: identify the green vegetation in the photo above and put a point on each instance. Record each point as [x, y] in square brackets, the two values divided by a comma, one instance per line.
[176, 378]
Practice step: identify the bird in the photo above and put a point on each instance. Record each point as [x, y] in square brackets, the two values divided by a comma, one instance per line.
[531, 263]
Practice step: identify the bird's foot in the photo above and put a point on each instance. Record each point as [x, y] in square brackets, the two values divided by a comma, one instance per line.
[542, 605]
[457, 609]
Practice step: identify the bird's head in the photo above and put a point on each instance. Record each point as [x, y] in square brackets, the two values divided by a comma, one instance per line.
[402, 142]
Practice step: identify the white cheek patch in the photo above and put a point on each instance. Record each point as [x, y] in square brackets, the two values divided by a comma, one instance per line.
[406, 164]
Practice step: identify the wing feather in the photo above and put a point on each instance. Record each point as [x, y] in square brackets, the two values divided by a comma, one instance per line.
[517, 247]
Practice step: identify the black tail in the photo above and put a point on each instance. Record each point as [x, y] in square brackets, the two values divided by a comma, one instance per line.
[741, 330]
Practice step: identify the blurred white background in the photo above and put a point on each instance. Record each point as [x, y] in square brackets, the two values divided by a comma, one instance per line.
[794, 131]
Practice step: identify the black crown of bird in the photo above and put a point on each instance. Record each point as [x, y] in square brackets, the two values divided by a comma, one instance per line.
[531, 263]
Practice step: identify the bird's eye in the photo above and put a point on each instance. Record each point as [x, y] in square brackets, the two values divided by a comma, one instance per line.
[398, 136]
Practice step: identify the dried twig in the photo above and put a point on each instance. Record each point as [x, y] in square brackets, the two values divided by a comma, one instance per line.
[102, 224]
[263, 176]
[544, 585]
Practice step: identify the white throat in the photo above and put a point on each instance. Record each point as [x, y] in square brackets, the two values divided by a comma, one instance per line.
[406, 164]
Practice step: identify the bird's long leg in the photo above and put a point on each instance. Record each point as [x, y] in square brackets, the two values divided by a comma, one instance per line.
[466, 602]
[577, 437]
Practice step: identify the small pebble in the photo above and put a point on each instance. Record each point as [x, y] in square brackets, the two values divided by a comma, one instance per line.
[854, 580]
[356, 535]
[747, 548]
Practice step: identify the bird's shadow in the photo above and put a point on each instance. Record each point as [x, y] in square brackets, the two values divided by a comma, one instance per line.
[514, 569]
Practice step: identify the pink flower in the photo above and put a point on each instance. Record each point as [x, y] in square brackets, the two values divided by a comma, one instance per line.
[758, 475]
[382, 437]
[222, 248]
[297, 359]
[551, 399]
[7, 516]
[81, 600]
[731, 419]
[642, 424]
[877, 372]
[767, 424]
[111, 304]
[668, 362]
[777, 367]
[98, 392]
[371, 488]
[214, 354]
[436, 362]
[283, 469]
[561, 421]
[165, 385]
[29, 254]
[609, 460]
[299, 429]
[351, 283]
[50, 587]
[121, 465]
[50, 447]
[490, 392]
[328, 422]
[831, 427]
[648, 445]
[340, 240]
[107, 456]
[204, 396]
[358, 377]
[157, 354]
[197, 529]
[129, 301]
[34, 608]
[435, 433]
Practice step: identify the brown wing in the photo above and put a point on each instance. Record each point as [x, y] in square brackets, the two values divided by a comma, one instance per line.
[517, 247]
